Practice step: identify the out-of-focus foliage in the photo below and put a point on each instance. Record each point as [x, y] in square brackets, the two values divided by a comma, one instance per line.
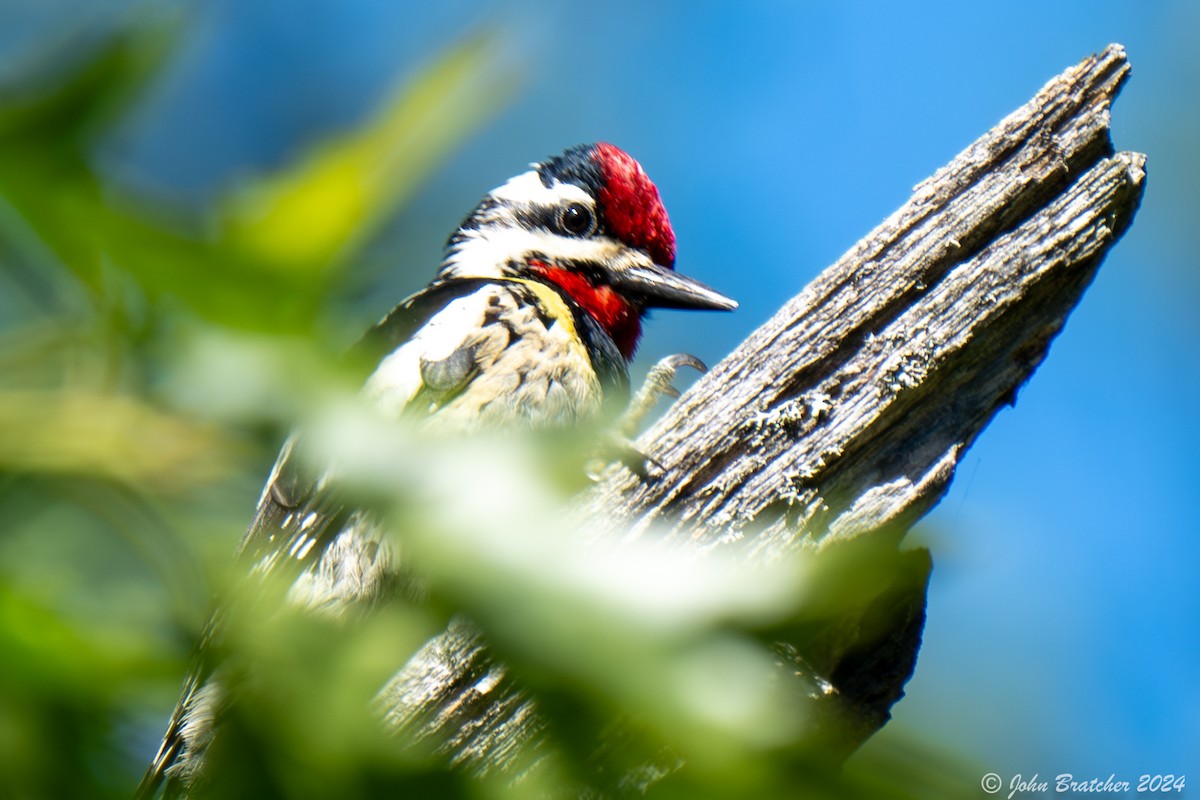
[147, 372]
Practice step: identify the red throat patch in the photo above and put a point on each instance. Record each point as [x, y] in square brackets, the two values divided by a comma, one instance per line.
[621, 319]
[632, 206]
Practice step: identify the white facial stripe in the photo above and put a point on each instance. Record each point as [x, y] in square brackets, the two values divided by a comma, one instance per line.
[487, 252]
[528, 189]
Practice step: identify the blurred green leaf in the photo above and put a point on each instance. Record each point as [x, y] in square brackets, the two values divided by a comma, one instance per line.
[898, 764]
[46, 653]
[147, 365]
[316, 214]
[148, 368]
[267, 267]
[86, 81]
[113, 436]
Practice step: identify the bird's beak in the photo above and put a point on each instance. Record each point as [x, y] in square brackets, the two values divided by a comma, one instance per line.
[658, 287]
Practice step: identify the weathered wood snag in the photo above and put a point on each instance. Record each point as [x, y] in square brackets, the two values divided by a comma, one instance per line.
[841, 420]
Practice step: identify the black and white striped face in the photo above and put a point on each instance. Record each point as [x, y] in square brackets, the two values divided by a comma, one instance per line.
[591, 223]
[536, 217]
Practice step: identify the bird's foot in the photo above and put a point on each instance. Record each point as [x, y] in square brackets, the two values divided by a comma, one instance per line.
[618, 445]
[659, 383]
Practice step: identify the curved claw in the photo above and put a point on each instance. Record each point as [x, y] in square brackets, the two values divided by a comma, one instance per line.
[659, 382]
[682, 360]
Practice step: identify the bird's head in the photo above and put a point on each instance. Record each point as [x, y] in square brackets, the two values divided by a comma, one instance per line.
[590, 223]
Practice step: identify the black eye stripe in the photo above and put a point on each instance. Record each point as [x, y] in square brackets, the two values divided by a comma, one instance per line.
[550, 218]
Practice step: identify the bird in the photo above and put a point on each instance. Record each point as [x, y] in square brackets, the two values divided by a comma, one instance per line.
[531, 320]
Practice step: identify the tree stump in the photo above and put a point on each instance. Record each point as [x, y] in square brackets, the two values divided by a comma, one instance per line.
[841, 420]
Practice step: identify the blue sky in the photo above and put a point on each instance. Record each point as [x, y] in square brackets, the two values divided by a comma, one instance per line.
[1061, 633]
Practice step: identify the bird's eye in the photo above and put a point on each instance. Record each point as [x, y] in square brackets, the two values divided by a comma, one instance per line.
[576, 219]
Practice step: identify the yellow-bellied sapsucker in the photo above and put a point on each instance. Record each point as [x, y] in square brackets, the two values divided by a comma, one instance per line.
[532, 318]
